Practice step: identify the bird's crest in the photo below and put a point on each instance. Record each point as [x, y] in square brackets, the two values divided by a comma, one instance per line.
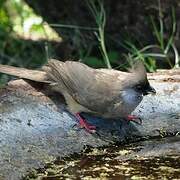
[138, 71]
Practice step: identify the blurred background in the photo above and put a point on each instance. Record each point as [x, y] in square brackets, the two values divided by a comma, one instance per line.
[96, 32]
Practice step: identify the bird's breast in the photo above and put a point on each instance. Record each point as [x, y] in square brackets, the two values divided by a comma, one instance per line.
[131, 99]
[124, 104]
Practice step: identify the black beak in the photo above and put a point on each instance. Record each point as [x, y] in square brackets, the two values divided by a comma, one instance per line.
[149, 90]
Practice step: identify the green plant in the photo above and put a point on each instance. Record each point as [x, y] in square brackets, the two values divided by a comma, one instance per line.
[84, 51]
[14, 49]
[134, 53]
[97, 9]
[165, 44]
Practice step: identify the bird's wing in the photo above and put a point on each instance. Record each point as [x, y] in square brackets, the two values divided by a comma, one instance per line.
[92, 88]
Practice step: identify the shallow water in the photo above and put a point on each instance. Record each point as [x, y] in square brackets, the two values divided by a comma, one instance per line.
[155, 159]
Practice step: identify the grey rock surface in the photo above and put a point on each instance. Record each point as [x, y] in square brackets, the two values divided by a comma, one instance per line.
[35, 129]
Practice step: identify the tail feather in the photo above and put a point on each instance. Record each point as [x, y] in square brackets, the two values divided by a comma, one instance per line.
[34, 75]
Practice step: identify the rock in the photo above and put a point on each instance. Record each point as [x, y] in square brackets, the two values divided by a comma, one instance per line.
[36, 128]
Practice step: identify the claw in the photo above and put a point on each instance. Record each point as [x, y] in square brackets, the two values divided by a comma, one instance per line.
[82, 122]
[135, 119]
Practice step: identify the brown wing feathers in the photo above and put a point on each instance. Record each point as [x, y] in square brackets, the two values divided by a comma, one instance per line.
[59, 73]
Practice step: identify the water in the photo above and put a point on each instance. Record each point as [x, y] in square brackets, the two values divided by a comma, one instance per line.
[155, 159]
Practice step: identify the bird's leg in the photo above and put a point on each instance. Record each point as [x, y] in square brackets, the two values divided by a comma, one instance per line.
[135, 119]
[84, 124]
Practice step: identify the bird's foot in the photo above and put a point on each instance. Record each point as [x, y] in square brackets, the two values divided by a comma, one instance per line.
[83, 124]
[135, 119]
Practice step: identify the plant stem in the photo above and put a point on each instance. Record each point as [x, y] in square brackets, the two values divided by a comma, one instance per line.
[73, 27]
[99, 15]
[103, 48]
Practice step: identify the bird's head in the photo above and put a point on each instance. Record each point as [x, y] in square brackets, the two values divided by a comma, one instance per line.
[138, 80]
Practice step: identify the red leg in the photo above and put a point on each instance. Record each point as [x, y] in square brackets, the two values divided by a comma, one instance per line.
[135, 119]
[84, 124]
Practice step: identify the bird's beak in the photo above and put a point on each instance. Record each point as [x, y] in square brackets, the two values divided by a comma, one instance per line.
[149, 90]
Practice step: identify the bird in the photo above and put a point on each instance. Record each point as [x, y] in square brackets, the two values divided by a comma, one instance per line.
[106, 93]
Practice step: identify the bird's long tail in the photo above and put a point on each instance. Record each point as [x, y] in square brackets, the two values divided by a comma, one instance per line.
[34, 75]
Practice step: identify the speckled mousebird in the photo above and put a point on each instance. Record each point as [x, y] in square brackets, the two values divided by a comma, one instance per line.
[105, 93]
